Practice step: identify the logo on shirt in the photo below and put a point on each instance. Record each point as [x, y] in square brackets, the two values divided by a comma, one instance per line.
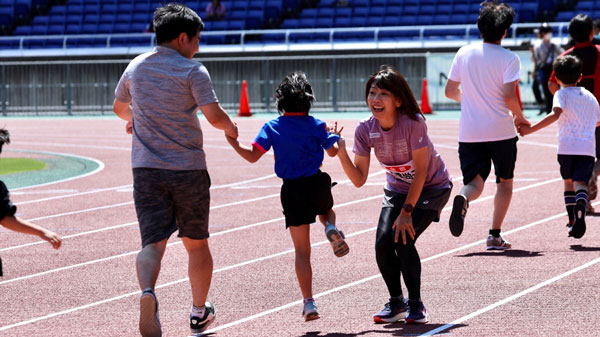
[374, 135]
[404, 172]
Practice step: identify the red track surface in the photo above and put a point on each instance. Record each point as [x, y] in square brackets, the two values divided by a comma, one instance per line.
[546, 286]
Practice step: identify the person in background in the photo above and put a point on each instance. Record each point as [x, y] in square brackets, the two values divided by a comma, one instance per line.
[215, 10]
[544, 53]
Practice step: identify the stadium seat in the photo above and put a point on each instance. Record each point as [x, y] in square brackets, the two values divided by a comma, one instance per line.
[23, 30]
[56, 29]
[564, 16]
[342, 22]
[345, 12]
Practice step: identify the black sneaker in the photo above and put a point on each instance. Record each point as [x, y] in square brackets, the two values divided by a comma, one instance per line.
[416, 312]
[457, 217]
[199, 324]
[394, 311]
[149, 321]
[578, 228]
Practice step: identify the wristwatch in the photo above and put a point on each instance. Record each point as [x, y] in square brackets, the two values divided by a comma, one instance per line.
[408, 208]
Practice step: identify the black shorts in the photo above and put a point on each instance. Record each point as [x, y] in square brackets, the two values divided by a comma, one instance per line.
[477, 158]
[598, 142]
[305, 198]
[167, 200]
[6, 206]
[576, 168]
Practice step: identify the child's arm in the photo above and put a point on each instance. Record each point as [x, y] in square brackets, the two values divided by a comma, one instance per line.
[250, 154]
[333, 150]
[512, 102]
[544, 122]
[23, 226]
[356, 171]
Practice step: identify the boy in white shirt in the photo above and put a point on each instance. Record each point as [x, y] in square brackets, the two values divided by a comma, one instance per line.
[578, 114]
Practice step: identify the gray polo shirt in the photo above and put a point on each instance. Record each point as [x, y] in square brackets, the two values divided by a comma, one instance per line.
[165, 90]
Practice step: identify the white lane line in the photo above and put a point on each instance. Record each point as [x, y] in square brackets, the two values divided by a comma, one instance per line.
[276, 255]
[512, 298]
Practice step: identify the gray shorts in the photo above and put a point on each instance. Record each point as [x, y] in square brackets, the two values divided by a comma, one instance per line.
[167, 200]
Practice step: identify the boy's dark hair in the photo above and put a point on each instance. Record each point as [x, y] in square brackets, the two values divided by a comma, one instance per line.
[173, 19]
[4, 138]
[494, 19]
[294, 94]
[580, 28]
[567, 68]
[545, 28]
[390, 79]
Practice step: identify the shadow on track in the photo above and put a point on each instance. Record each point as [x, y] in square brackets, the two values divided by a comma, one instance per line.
[392, 329]
[507, 253]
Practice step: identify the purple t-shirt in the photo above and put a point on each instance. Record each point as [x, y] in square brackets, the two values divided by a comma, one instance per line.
[393, 149]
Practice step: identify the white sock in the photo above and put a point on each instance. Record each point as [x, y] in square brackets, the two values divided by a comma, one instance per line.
[197, 311]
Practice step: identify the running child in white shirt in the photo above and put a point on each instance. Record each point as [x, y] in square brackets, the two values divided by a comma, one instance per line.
[578, 114]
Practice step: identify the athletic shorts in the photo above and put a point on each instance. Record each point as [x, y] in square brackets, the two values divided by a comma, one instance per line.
[168, 200]
[477, 158]
[577, 168]
[598, 142]
[6, 206]
[305, 198]
[430, 200]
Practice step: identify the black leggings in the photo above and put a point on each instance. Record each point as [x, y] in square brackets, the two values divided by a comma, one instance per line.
[393, 258]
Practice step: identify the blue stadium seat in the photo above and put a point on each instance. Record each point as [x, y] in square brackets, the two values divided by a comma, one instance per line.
[408, 20]
[345, 12]
[360, 3]
[460, 9]
[74, 19]
[290, 24]
[109, 8]
[342, 22]
[327, 3]
[357, 21]
[58, 10]
[360, 12]
[307, 23]
[441, 19]
[564, 16]
[256, 5]
[373, 21]
[23, 30]
[394, 10]
[56, 19]
[398, 35]
[309, 13]
[410, 10]
[443, 10]
[119, 28]
[73, 29]
[74, 10]
[91, 18]
[219, 25]
[56, 29]
[237, 15]
[391, 21]
[458, 19]
[107, 18]
[326, 13]
[584, 6]
[379, 3]
[377, 11]
[105, 28]
[426, 10]
[89, 28]
[40, 21]
[424, 20]
[324, 23]
[235, 25]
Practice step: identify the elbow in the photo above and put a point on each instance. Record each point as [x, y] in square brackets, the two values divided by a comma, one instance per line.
[358, 183]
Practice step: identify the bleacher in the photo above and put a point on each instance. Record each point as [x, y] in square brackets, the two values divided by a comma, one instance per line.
[120, 23]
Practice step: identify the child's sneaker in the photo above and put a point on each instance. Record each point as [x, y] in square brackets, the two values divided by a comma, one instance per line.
[457, 217]
[310, 311]
[497, 243]
[199, 324]
[149, 321]
[416, 312]
[394, 311]
[336, 238]
[578, 228]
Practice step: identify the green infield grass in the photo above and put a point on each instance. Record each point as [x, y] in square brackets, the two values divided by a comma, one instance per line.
[16, 165]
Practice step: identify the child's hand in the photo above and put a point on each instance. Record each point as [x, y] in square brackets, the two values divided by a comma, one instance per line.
[232, 132]
[52, 238]
[341, 143]
[334, 129]
[129, 128]
[524, 130]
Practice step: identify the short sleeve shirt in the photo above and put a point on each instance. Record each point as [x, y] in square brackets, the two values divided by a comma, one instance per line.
[393, 149]
[6, 206]
[298, 143]
[165, 90]
[577, 122]
[589, 54]
[482, 70]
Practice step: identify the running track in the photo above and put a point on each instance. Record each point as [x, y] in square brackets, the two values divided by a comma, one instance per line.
[546, 286]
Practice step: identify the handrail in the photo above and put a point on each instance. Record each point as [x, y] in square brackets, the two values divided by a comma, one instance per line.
[420, 32]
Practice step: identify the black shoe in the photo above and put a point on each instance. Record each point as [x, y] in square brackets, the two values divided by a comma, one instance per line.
[199, 324]
[149, 322]
[578, 228]
[459, 211]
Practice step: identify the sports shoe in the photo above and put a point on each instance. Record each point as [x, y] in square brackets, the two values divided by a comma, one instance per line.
[199, 324]
[416, 312]
[578, 228]
[457, 217]
[497, 243]
[336, 238]
[149, 321]
[394, 311]
[310, 311]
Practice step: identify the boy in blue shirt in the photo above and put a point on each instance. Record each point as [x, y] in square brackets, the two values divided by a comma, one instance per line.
[298, 141]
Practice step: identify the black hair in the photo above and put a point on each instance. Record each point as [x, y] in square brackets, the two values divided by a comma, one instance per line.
[173, 19]
[390, 79]
[494, 19]
[294, 94]
[4, 138]
[567, 68]
[580, 28]
[545, 28]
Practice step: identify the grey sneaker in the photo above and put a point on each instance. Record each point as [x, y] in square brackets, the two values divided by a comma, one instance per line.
[497, 243]
[336, 238]
[149, 321]
[310, 311]
[394, 311]
[457, 217]
[199, 324]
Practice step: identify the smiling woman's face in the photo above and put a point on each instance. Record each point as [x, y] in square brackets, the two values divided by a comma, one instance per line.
[383, 103]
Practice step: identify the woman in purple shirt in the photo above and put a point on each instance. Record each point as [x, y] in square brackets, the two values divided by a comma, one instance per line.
[418, 186]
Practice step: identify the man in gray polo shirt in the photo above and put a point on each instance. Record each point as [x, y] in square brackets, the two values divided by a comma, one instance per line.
[158, 95]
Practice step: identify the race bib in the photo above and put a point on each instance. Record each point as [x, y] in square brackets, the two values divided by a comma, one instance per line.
[404, 172]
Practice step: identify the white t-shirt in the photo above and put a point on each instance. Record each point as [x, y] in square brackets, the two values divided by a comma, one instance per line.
[577, 122]
[482, 70]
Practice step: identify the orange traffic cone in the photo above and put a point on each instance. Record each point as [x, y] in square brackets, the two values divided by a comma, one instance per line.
[244, 106]
[425, 107]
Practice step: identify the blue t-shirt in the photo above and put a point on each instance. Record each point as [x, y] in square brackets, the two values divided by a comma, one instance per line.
[298, 143]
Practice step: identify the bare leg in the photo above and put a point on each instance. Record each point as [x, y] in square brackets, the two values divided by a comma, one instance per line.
[148, 264]
[501, 202]
[473, 189]
[301, 238]
[200, 268]
[329, 217]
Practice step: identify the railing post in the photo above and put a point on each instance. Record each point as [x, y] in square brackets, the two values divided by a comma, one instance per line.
[4, 90]
[266, 88]
[334, 84]
[68, 90]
